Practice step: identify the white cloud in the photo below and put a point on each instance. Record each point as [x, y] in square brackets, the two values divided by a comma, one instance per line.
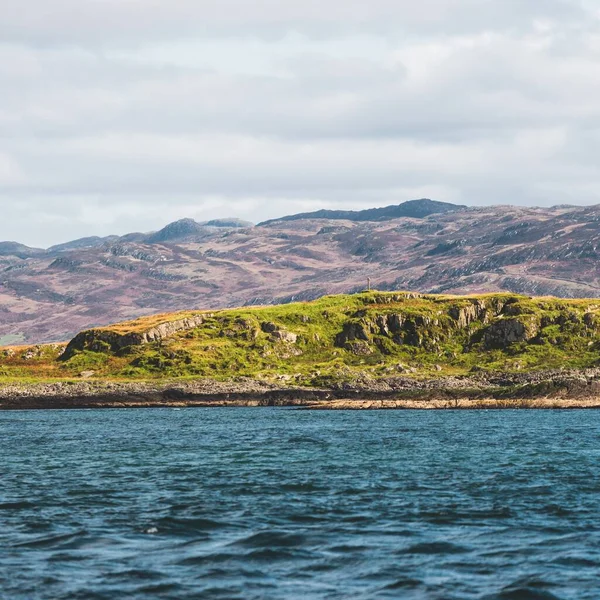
[119, 115]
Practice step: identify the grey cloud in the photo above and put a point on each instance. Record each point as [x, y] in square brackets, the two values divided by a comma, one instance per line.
[87, 22]
[112, 120]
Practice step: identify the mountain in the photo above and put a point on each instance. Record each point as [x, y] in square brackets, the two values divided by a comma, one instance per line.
[180, 230]
[188, 229]
[417, 209]
[18, 250]
[82, 243]
[51, 295]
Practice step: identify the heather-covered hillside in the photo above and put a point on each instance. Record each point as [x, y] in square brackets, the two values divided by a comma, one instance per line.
[423, 246]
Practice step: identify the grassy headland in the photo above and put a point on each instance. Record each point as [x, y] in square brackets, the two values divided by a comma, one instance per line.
[392, 344]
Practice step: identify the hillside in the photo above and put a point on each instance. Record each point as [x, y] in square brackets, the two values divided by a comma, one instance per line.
[415, 209]
[372, 333]
[50, 295]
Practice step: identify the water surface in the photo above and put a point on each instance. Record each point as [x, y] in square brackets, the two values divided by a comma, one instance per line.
[282, 504]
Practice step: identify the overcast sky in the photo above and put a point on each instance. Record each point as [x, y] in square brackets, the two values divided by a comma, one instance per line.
[123, 115]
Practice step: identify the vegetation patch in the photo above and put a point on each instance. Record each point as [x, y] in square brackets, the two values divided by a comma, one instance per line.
[336, 338]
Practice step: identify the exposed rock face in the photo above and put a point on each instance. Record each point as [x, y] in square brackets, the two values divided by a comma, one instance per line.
[469, 314]
[353, 330]
[269, 327]
[98, 340]
[166, 330]
[591, 320]
[278, 333]
[403, 329]
[285, 336]
[480, 310]
[564, 389]
[505, 332]
[359, 348]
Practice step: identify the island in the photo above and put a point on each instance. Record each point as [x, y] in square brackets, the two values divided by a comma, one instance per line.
[359, 351]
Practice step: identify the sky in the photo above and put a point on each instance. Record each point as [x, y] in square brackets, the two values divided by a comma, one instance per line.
[124, 115]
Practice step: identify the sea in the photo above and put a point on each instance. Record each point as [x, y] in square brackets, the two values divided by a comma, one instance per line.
[268, 503]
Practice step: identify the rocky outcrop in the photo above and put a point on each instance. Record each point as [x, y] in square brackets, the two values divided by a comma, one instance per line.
[480, 310]
[557, 389]
[506, 331]
[466, 315]
[359, 348]
[353, 330]
[101, 340]
[411, 330]
[168, 329]
[278, 333]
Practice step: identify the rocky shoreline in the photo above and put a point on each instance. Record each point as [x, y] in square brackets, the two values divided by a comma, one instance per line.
[549, 389]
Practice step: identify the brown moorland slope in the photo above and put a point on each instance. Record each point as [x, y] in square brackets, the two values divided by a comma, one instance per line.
[50, 295]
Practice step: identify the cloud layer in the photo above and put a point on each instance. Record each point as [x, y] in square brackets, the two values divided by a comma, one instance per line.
[120, 115]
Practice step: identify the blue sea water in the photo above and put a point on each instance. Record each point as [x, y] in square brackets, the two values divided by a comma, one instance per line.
[285, 504]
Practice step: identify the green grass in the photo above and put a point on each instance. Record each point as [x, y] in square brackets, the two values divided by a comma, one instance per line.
[429, 341]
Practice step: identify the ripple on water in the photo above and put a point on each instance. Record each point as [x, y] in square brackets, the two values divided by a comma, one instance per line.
[271, 539]
[435, 548]
[273, 504]
[55, 541]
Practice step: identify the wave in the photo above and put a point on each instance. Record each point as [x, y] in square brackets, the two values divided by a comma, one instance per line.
[271, 539]
[435, 548]
[18, 505]
[51, 541]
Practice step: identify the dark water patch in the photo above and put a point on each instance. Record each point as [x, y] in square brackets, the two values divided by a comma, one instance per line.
[302, 488]
[277, 554]
[204, 559]
[528, 588]
[404, 583]
[20, 505]
[136, 575]
[186, 527]
[278, 504]
[300, 440]
[271, 539]
[578, 561]
[522, 594]
[58, 541]
[348, 548]
[435, 548]
[159, 589]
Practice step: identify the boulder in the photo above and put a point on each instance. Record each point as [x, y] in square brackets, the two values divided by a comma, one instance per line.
[359, 348]
[285, 336]
[504, 332]
[278, 333]
[353, 330]
[269, 327]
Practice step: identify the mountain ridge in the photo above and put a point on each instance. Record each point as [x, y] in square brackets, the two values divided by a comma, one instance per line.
[48, 296]
[417, 209]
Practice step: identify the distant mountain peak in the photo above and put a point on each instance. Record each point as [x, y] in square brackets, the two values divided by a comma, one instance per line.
[416, 209]
[189, 228]
[82, 243]
[177, 230]
[18, 250]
